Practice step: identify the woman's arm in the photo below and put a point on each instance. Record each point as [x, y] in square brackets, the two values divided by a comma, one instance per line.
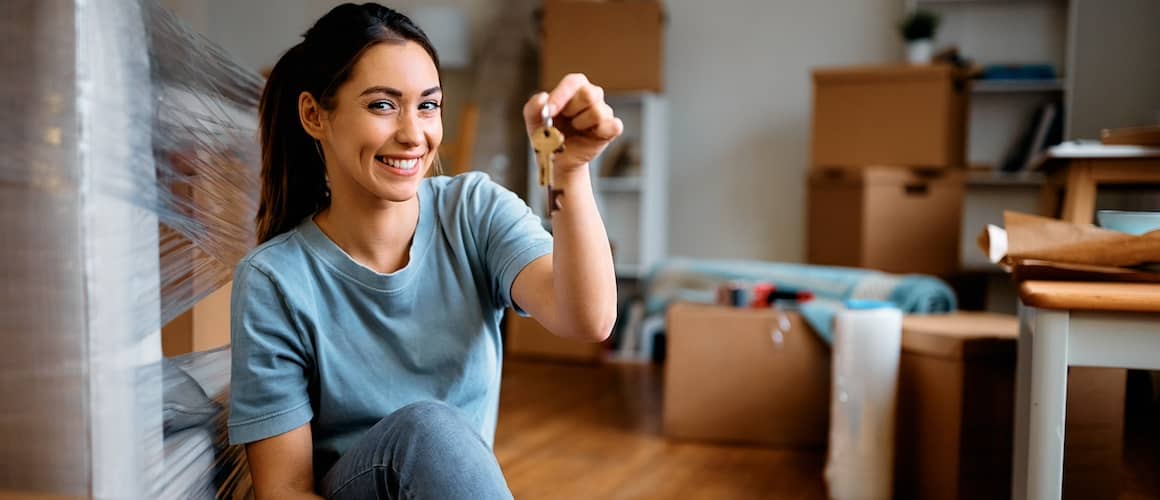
[573, 291]
[282, 466]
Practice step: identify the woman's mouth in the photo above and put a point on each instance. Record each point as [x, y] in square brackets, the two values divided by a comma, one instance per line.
[403, 166]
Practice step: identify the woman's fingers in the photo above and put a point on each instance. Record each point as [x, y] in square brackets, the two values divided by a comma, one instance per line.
[587, 97]
[561, 98]
[532, 111]
[592, 117]
[578, 107]
[607, 130]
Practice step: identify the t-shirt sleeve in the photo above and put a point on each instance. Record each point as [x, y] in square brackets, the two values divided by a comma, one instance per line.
[511, 237]
[269, 362]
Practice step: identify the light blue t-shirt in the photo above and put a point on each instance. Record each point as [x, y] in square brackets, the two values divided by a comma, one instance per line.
[317, 337]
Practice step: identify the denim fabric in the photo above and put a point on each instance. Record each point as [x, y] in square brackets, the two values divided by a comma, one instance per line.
[423, 450]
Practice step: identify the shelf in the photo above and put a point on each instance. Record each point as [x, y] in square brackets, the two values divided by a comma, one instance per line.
[993, 178]
[618, 184]
[997, 86]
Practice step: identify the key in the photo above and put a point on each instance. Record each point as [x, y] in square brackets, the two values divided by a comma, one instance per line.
[547, 141]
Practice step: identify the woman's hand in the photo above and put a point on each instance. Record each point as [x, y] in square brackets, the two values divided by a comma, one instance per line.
[578, 110]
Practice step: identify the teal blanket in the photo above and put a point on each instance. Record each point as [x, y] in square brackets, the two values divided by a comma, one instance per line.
[696, 280]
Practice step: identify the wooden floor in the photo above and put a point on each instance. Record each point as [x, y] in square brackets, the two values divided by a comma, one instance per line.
[593, 431]
[584, 432]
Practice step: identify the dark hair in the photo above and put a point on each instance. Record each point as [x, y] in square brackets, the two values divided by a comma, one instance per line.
[293, 171]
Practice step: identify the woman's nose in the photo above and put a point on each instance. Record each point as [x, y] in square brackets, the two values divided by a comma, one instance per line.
[409, 132]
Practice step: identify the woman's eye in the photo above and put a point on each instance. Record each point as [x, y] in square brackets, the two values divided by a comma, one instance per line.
[429, 106]
[381, 106]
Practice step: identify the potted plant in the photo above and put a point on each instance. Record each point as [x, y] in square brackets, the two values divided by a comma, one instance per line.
[918, 30]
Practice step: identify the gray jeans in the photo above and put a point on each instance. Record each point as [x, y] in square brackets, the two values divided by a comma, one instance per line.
[422, 450]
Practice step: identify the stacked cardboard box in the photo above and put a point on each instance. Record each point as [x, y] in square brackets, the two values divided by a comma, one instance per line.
[886, 186]
[618, 44]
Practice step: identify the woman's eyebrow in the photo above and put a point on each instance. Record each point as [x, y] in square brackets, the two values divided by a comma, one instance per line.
[391, 91]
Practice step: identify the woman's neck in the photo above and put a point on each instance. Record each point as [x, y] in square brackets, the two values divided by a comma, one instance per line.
[376, 235]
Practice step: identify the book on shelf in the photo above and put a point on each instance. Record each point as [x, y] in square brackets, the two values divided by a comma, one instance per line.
[1045, 129]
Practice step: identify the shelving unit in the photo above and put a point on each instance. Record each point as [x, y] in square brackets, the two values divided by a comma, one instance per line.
[632, 206]
[1098, 49]
[1008, 86]
[1001, 32]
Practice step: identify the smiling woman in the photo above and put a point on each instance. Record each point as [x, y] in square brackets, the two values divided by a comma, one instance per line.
[365, 326]
[330, 85]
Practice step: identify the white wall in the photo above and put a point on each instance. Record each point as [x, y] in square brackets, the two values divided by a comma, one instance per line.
[257, 32]
[1117, 77]
[738, 78]
[194, 13]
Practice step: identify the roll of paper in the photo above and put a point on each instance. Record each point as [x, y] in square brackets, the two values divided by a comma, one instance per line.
[867, 342]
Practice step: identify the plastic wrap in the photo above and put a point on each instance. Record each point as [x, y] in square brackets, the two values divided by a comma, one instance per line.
[128, 185]
[866, 349]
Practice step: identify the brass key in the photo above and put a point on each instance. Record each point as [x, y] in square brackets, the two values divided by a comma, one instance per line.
[547, 141]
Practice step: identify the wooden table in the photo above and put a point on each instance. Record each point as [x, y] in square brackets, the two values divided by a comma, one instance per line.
[1065, 324]
[1075, 172]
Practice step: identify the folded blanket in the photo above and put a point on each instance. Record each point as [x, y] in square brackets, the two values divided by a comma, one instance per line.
[697, 280]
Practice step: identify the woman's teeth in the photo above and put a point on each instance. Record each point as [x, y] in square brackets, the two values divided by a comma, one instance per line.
[399, 164]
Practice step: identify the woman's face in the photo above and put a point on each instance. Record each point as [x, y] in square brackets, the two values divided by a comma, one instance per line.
[382, 135]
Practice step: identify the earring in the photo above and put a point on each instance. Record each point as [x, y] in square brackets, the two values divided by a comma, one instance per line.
[318, 148]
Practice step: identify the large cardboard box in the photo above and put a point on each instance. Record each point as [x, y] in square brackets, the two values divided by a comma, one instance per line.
[888, 218]
[526, 338]
[618, 44]
[956, 393]
[730, 377]
[890, 115]
[203, 327]
[956, 382]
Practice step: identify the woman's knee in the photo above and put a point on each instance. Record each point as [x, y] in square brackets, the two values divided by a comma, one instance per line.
[426, 440]
[433, 423]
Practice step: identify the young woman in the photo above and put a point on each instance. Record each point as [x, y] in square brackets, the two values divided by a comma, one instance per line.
[365, 327]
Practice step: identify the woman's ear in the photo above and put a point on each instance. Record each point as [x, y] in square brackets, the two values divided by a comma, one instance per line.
[310, 114]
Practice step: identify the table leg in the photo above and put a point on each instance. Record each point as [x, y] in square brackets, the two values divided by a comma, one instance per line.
[1079, 196]
[1022, 402]
[1048, 405]
[1049, 195]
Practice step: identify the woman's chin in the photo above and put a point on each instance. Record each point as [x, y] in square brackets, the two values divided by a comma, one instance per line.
[396, 194]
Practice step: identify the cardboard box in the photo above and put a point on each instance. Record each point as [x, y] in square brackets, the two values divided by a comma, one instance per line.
[193, 268]
[890, 115]
[618, 44]
[528, 339]
[203, 327]
[892, 219]
[956, 393]
[956, 383]
[727, 380]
